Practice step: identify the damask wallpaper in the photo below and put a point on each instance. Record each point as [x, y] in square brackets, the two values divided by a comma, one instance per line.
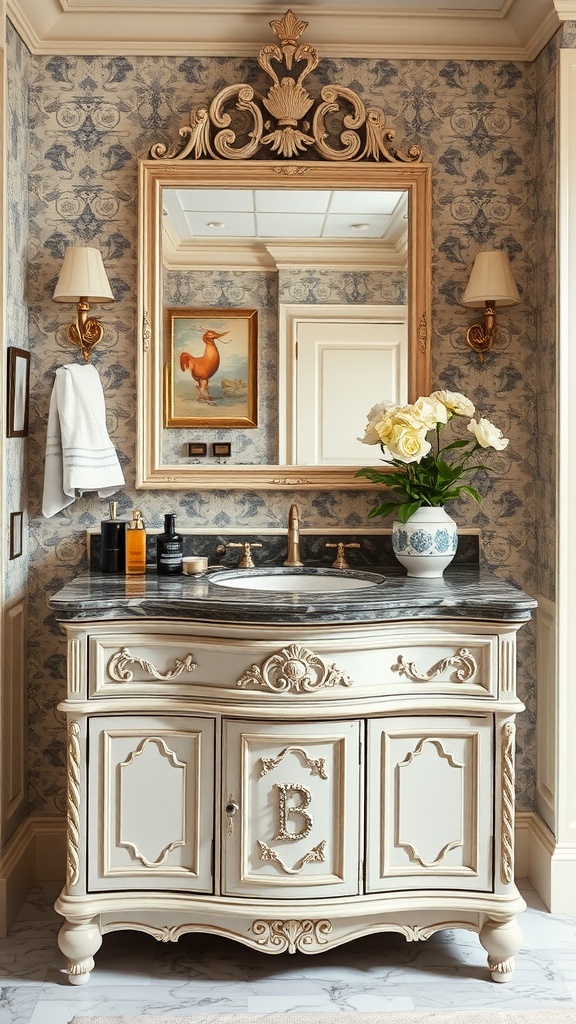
[91, 118]
[14, 491]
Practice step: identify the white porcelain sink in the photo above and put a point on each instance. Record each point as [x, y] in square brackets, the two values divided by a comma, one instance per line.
[296, 581]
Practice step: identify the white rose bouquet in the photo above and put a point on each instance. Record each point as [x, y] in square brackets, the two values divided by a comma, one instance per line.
[426, 474]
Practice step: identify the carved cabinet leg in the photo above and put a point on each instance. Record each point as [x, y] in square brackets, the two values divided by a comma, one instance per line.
[501, 940]
[79, 941]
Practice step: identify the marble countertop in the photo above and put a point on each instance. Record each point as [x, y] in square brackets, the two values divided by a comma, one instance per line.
[463, 592]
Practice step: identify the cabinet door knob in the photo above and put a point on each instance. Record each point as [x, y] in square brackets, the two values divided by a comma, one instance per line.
[231, 809]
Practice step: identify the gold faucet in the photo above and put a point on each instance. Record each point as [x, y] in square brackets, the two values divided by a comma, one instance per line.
[293, 554]
[340, 562]
[246, 562]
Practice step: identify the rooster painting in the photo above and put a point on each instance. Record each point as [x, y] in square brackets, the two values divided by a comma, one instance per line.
[203, 367]
[206, 384]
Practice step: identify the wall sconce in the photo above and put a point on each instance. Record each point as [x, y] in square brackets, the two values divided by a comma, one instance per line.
[83, 280]
[491, 282]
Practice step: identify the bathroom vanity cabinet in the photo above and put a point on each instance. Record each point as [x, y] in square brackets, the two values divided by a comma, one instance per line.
[338, 770]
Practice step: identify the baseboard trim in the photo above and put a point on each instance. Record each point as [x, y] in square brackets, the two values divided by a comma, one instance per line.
[549, 866]
[17, 873]
[37, 852]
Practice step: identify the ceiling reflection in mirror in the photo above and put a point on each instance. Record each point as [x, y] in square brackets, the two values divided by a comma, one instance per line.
[202, 216]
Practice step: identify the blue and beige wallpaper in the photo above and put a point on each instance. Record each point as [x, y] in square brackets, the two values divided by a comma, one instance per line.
[14, 492]
[91, 118]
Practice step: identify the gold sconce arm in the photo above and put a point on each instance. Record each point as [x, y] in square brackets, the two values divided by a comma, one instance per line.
[86, 332]
[480, 337]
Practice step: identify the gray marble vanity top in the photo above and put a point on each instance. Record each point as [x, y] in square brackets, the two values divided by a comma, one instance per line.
[464, 592]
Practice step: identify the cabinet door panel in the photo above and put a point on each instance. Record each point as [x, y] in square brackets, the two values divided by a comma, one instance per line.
[429, 801]
[151, 796]
[296, 830]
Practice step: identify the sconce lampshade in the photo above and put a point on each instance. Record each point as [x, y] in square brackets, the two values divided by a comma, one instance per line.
[83, 276]
[491, 280]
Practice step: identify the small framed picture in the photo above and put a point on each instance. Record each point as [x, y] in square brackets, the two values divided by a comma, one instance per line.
[16, 533]
[221, 449]
[211, 368]
[18, 392]
[197, 450]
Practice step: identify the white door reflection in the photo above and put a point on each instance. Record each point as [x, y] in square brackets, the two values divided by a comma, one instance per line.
[338, 361]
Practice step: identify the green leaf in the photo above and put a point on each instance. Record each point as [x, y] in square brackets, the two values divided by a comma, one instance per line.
[453, 495]
[456, 444]
[384, 509]
[371, 474]
[447, 472]
[377, 476]
[403, 512]
[472, 491]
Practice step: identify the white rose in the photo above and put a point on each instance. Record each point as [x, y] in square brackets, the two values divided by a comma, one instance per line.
[406, 444]
[376, 414]
[409, 415]
[386, 427]
[430, 411]
[487, 435]
[455, 402]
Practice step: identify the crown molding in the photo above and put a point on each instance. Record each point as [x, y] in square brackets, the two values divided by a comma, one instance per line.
[187, 28]
[565, 9]
[270, 256]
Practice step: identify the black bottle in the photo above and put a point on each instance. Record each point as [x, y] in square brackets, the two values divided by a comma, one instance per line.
[112, 542]
[169, 548]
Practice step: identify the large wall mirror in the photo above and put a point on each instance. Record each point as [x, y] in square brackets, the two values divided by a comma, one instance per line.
[280, 297]
[277, 303]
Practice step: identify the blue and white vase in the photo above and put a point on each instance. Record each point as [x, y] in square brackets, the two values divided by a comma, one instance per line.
[426, 543]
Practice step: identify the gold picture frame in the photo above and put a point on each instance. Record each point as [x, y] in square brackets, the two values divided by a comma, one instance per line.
[208, 385]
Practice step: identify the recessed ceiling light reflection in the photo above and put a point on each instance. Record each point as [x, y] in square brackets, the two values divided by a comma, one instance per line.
[360, 227]
[216, 224]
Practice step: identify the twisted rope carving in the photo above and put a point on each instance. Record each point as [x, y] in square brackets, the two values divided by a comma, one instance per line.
[73, 804]
[507, 824]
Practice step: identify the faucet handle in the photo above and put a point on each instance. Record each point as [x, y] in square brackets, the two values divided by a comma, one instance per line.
[246, 562]
[340, 560]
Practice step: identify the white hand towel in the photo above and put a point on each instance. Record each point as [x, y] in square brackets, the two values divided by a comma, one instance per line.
[79, 454]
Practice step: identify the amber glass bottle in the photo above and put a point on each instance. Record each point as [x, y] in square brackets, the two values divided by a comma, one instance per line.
[136, 546]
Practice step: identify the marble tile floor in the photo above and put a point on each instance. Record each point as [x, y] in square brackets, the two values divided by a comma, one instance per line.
[134, 974]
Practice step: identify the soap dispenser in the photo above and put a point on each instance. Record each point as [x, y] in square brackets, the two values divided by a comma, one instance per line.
[169, 548]
[136, 546]
[112, 542]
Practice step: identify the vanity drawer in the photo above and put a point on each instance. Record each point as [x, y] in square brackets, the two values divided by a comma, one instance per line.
[457, 664]
[141, 663]
[420, 663]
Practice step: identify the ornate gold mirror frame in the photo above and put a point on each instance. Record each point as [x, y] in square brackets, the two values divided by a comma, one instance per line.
[258, 144]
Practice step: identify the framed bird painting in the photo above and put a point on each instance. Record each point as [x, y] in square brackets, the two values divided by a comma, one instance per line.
[211, 368]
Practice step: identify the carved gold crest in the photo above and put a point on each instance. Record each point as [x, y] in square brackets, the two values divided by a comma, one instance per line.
[287, 121]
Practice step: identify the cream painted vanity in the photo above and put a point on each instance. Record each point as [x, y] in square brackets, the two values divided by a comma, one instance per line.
[291, 770]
